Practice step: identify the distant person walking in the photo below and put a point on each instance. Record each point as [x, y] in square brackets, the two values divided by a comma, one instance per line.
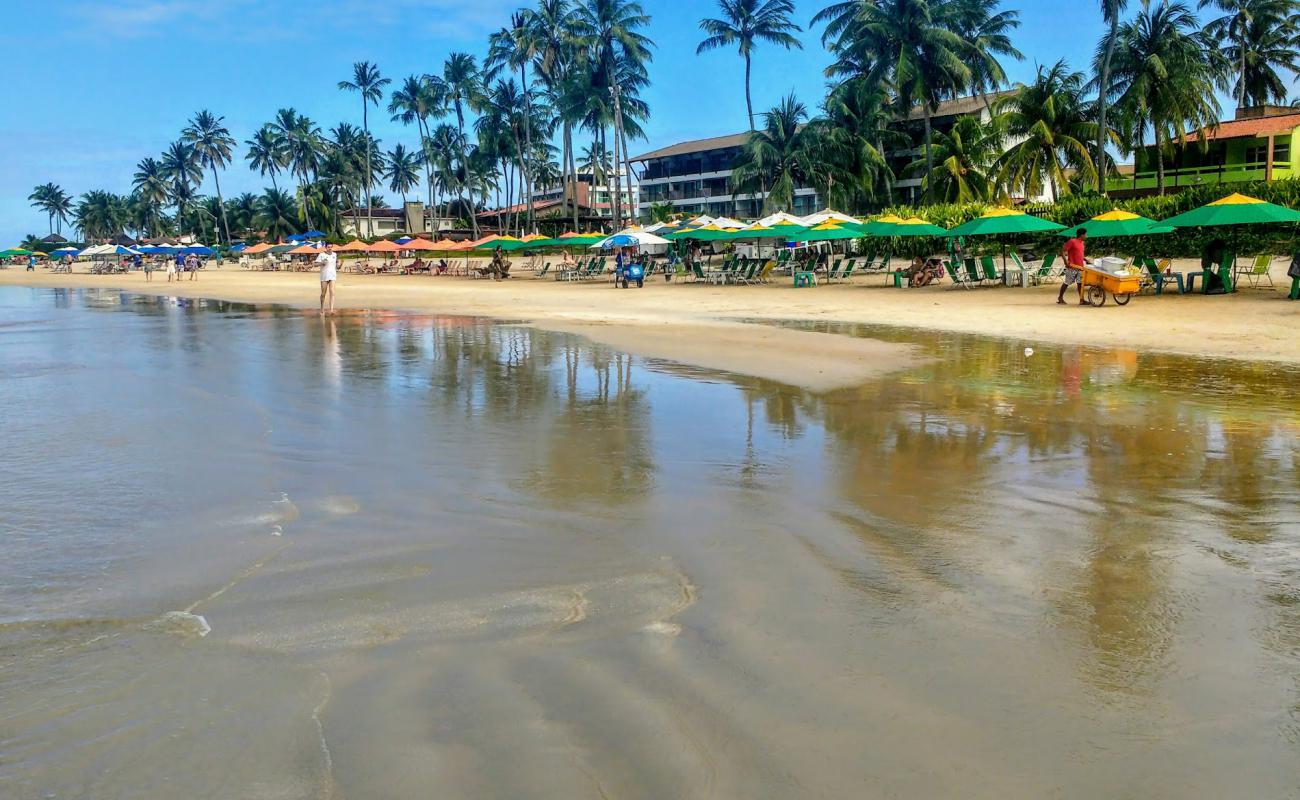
[329, 273]
[174, 267]
[1073, 254]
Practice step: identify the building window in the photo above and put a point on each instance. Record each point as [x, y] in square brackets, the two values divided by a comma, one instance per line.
[1282, 153]
[1257, 153]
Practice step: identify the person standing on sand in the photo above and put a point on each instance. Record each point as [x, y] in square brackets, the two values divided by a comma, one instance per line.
[1073, 254]
[329, 273]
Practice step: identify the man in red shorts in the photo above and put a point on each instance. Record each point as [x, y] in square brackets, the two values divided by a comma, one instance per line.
[1072, 253]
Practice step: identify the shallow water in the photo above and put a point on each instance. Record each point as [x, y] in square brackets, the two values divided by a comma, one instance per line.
[250, 553]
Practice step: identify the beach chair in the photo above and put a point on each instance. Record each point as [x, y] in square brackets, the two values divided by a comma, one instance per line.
[1257, 271]
[848, 270]
[751, 270]
[833, 272]
[973, 272]
[1155, 277]
[958, 277]
[1044, 272]
[541, 273]
[990, 269]
[764, 274]
[697, 272]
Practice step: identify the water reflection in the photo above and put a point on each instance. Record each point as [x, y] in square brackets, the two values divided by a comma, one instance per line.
[1039, 555]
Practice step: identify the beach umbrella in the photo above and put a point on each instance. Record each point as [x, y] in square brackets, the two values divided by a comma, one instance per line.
[782, 217]
[354, 246]
[827, 232]
[305, 250]
[383, 246]
[258, 249]
[709, 233]
[19, 252]
[1235, 209]
[581, 239]
[198, 250]
[915, 226]
[829, 215]
[1118, 223]
[417, 244]
[631, 238]
[445, 245]
[1003, 220]
[877, 227]
[65, 251]
[728, 223]
[404, 239]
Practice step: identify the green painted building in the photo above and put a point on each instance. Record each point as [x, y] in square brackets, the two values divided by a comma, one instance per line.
[1261, 144]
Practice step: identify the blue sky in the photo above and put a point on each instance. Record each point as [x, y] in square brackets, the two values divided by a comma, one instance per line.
[93, 86]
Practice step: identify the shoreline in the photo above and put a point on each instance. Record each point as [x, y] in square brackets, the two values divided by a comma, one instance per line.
[712, 326]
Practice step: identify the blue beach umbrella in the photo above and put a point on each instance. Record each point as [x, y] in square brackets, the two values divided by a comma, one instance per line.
[198, 250]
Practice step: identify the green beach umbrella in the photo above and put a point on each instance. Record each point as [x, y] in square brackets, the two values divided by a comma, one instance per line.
[1003, 220]
[827, 232]
[1118, 223]
[878, 227]
[916, 226]
[1235, 209]
[709, 233]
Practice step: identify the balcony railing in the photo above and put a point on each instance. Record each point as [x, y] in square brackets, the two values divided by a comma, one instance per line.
[1192, 176]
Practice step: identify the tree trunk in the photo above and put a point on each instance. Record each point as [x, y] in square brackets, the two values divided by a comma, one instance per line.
[428, 174]
[1160, 162]
[1241, 87]
[749, 103]
[627, 172]
[884, 176]
[464, 165]
[571, 168]
[528, 144]
[366, 179]
[225, 223]
[273, 186]
[929, 152]
[1101, 104]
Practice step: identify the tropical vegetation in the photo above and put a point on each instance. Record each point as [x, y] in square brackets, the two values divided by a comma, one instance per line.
[559, 91]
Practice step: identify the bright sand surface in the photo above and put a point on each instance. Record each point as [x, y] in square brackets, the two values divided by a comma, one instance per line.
[707, 326]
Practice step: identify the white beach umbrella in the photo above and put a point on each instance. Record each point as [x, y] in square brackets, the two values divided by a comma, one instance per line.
[728, 222]
[783, 218]
[701, 221]
[828, 215]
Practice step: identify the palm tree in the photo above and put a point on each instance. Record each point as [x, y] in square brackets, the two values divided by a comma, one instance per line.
[151, 191]
[277, 214]
[1263, 37]
[514, 48]
[267, 152]
[556, 59]
[777, 157]
[462, 84]
[1051, 127]
[302, 141]
[987, 34]
[859, 115]
[906, 43]
[745, 22]
[402, 175]
[416, 101]
[42, 199]
[1164, 76]
[243, 209]
[213, 146]
[965, 156]
[1111, 11]
[367, 82]
[101, 215]
[614, 49]
[183, 173]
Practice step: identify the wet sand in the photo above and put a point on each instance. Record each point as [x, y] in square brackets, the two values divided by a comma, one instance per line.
[671, 320]
[441, 556]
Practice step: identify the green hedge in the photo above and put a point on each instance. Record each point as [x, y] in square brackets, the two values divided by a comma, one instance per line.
[1076, 209]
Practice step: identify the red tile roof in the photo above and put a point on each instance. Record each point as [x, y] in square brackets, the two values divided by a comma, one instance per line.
[1241, 128]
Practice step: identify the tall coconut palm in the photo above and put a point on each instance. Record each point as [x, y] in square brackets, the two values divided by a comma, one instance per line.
[43, 199]
[445, 150]
[181, 169]
[860, 116]
[512, 49]
[150, 188]
[557, 56]
[267, 152]
[1052, 129]
[462, 84]
[367, 82]
[402, 174]
[101, 215]
[608, 32]
[743, 24]
[302, 151]
[416, 101]
[1164, 76]
[986, 30]
[1262, 38]
[1111, 11]
[243, 208]
[213, 147]
[906, 43]
[777, 157]
[965, 156]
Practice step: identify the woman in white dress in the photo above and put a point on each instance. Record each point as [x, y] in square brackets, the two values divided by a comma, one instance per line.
[329, 268]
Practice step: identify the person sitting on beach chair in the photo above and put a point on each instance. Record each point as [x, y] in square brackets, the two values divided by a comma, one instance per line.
[441, 267]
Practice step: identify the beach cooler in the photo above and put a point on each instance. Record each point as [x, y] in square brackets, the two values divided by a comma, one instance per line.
[632, 273]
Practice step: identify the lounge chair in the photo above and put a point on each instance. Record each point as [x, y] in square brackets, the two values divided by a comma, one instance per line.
[1258, 271]
[990, 269]
[697, 271]
[1044, 272]
[1156, 278]
[833, 272]
[847, 272]
[958, 277]
[972, 270]
[541, 273]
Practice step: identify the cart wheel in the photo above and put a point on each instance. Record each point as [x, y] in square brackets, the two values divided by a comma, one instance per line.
[1122, 299]
[1096, 296]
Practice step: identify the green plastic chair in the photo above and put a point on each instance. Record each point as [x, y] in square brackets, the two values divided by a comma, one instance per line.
[973, 271]
[958, 278]
[990, 269]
